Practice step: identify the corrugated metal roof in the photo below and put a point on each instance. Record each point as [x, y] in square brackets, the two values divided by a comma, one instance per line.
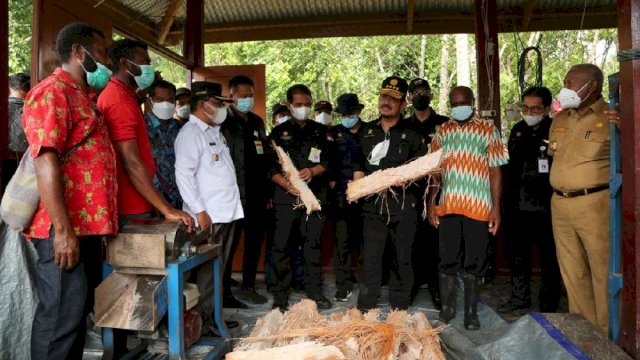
[227, 12]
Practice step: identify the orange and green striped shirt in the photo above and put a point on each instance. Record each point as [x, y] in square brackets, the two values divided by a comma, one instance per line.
[470, 149]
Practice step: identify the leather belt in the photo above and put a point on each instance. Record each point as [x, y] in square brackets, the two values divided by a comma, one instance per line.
[576, 193]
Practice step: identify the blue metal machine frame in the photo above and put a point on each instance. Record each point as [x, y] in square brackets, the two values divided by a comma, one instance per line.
[175, 283]
[615, 216]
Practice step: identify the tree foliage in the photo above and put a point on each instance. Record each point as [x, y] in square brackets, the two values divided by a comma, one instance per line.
[20, 12]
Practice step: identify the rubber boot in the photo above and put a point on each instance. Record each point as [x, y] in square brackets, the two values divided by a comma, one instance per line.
[471, 291]
[448, 297]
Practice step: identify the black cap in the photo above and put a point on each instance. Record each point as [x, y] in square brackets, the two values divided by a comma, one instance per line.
[348, 102]
[323, 104]
[415, 83]
[278, 107]
[207, 89]
[394, 86]
[183, 91]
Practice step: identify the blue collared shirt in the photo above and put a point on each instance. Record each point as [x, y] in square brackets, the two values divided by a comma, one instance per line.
[162, 137]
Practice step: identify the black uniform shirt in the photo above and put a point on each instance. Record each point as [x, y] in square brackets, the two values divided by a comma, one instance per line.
[429, 127]
[344, 152]
[307, 147]
[247, 141]
[405, 145]
[527, 188]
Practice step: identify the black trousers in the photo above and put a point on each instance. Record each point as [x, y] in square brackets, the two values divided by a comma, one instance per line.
[65, 298]
[524, 229]
[253, 225]
[426, 256]
[401, 227]
[348, 232]
[310, 231]
[463, 245]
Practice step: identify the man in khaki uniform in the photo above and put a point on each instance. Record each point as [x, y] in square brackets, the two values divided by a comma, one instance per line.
[579, 144]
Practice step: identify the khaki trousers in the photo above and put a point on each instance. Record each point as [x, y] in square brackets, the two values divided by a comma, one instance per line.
[581, 232]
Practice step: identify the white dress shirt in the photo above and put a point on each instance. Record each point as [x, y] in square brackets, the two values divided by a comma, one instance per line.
[205, 173]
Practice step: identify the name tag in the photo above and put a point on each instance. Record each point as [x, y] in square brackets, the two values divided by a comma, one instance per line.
[255, 134]
[259, 148]
[314, 155]
[543, 166]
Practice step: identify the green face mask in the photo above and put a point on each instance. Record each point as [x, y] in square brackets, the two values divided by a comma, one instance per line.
[99, 78]
[146, 77]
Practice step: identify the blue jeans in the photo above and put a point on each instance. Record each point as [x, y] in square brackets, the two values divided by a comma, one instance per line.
[65, 299]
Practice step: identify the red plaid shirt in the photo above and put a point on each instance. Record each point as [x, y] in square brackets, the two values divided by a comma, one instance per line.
[58, 114]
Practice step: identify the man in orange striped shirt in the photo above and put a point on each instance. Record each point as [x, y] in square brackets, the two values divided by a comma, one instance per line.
[469, 206]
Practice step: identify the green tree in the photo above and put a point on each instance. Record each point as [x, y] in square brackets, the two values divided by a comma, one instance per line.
[20, 13]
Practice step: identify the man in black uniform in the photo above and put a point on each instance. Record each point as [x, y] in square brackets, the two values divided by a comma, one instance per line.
[387, 142]
[247, 141]
[306, 143]
[425, 121]
[527, 205]
[347, 217]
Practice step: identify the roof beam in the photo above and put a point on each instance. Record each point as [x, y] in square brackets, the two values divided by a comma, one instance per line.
[169, 16]
[528, 13]
[411, 7]
[127, 23]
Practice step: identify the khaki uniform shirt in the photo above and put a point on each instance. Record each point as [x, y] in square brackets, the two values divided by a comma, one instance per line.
[580, 148]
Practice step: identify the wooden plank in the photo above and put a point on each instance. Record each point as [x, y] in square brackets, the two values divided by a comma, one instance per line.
[629, 38]
[131, 302]
[528, 13]
[169, 16]
[194, 31]
[140, 271]
[137, 250]
[411, 8]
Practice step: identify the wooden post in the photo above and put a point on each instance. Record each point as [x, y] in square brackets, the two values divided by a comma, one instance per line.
[4, 74]
[194, 36]
[488, 93]
[629, 38]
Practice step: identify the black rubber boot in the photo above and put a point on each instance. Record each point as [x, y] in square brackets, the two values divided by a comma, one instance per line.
[471, 292]
[448, 297]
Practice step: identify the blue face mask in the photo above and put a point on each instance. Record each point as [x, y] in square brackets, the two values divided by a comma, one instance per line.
[99, 78]
[146, 77]
[349, 121]
[462, 113]
[245, 104]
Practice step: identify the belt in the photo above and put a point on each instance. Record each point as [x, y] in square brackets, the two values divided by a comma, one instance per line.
[576, 193]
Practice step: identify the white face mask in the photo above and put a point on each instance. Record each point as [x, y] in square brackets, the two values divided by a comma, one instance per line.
[219, 114]
[323, 118]
[379, 152]
[300, 113]
[570, 99]
[283, 119]
[163, 110]
[183, 111]
[533, 120]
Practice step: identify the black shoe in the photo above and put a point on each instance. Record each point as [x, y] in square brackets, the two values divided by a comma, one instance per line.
[233, 303]
[321, 301]
[512, 306]
[342, 295]
[231, 324]
[298, 288]
[233, 282]
[281, 301]
[435, 298]
[448, 289]
[250, 295]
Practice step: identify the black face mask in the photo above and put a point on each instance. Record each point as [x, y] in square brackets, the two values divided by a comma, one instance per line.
[421, 102]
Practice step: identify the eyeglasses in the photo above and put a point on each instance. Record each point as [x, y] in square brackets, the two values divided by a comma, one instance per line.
[533, 109]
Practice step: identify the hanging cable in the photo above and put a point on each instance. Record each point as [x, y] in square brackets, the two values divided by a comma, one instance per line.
[522, 69]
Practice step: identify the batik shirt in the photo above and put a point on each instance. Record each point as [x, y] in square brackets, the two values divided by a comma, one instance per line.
[470, 149]
[59, 114]
[162, 135]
